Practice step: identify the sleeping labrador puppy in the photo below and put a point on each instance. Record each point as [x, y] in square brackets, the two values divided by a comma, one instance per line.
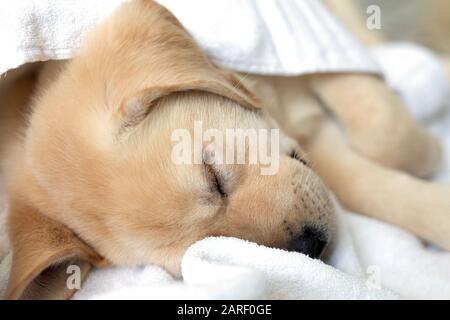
[89, 165]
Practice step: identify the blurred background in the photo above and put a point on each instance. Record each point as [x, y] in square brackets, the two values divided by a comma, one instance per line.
[423, 21]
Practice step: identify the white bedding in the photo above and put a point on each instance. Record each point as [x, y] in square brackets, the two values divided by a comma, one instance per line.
[371, 259]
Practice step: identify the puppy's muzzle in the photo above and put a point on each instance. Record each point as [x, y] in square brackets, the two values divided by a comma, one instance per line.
[309, 241]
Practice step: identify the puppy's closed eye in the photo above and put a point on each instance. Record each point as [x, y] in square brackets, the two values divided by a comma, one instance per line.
[295, 155]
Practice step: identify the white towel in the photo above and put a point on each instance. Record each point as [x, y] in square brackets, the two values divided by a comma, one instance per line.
[416, 75]
[229, 268]
[275, 37]
[47, 29]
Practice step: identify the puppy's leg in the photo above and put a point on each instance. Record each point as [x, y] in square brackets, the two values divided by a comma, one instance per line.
[376, 123]
[366, 187]
[360, 184]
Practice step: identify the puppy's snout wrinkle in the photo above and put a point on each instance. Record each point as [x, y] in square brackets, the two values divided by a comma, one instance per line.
[309, 241]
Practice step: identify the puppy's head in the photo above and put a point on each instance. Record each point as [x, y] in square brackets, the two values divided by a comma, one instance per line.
[100, 160]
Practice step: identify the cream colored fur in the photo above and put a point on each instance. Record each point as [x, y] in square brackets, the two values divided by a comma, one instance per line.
[86, 156]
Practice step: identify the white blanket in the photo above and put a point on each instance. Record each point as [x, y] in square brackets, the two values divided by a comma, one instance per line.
[267, 37]
[370, 259]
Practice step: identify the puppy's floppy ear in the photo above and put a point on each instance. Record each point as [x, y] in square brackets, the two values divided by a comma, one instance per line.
[43, 249]
[222, 83]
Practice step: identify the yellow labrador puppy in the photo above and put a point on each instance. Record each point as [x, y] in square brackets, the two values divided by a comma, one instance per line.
[89, 167]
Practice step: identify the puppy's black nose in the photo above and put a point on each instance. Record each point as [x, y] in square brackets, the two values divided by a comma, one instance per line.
[310, 242]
